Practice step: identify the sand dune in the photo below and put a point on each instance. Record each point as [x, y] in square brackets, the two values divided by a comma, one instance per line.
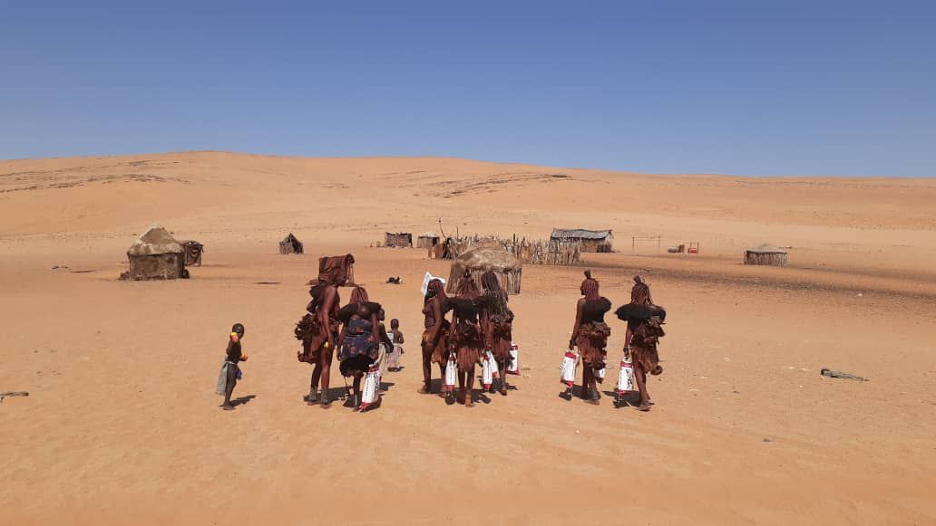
[122, 423]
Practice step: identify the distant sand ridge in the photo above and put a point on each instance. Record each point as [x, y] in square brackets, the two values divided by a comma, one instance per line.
[122, 418]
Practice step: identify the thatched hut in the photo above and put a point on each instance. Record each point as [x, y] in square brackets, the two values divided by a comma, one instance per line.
[483, 258]
[765, 255]
[427, 240]
[398, 240]
[193, 252]
[589, 240]
[156, 255]
[291, 245]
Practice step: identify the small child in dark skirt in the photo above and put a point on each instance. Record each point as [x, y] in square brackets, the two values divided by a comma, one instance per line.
[230, 369]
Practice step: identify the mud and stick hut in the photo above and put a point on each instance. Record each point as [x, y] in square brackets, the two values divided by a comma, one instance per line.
[478, 260]
[398, 240]
[291, 245]
[766, 255]
[427, 240]
[193, 252]
[156, 255]
[589, 240]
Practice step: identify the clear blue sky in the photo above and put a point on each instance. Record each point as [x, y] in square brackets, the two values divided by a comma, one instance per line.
[741, 87]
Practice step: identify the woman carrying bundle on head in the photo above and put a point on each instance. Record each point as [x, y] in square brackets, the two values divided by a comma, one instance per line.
[466, 340]
[644, 330]
[590, 334]
[318, 332]
[359, 338]
[497, 322]
[435, 339]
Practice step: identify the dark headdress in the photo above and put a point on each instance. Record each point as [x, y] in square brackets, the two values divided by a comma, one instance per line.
[495, 297]
[641, 307]
[589, 287]
[640, 294]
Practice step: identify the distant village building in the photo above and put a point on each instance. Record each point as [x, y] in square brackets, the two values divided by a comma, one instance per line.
[193, 252]
[432, 243]
[398, 240]
[427, 240]
[291, 245]
[591, 240]
[477, 261]
[765, 255]
[156, 255]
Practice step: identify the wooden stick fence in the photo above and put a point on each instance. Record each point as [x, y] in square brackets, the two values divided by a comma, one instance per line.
[534, 252]
[636, 239]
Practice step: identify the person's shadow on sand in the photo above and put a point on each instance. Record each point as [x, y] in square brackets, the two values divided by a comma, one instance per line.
[629, 399]
[569, 394]
[242, 400]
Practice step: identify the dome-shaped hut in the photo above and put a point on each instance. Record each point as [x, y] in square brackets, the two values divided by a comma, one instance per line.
[483, 258]
[156, 255]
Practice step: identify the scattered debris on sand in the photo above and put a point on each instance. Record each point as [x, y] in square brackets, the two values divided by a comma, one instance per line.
[13, 393]
[838, 374]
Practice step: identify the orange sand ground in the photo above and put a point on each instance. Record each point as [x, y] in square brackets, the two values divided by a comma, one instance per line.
[122, 424]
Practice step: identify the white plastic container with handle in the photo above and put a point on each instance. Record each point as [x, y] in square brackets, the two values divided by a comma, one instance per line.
[569, 361]
[451, 374]
[371, 390]
[626, 383]
[514, 366]
[488, 366]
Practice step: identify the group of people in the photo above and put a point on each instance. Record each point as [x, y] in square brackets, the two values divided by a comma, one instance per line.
[356, 331]
[590, 336]
[480, 329]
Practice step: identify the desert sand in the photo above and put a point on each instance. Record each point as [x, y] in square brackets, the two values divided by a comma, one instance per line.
[122, 424]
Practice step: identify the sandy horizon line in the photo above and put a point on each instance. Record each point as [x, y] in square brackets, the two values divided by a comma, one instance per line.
[863, 177]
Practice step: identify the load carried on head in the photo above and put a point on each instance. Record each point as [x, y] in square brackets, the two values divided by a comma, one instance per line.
[156, 255]
[337, 270]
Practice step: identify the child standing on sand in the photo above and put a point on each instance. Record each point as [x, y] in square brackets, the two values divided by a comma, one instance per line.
[396, 337]
[230, 370]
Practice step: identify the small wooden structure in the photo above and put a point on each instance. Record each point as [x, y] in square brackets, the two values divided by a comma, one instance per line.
[540, 252]
[765, 255]
[590, 240]
[291, 245]
[644, 240]
[156, 255]
[398, 240]
[677, 249]
[193, 252]
[693, 248]
[427, 240]
[478, 260]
